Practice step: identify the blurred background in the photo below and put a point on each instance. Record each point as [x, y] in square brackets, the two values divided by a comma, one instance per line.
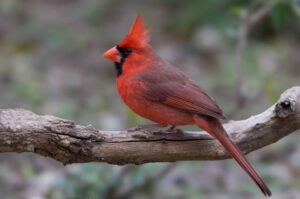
[245, 53]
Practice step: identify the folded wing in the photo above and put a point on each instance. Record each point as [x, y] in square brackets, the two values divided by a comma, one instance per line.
[173, 88]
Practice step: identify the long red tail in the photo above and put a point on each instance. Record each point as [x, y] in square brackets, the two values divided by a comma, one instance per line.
[214, 127]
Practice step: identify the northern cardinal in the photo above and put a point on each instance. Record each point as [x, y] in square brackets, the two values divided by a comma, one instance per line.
[158, 91]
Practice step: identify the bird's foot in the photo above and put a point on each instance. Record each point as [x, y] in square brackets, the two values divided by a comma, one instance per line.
[174, 130]
[144, 127]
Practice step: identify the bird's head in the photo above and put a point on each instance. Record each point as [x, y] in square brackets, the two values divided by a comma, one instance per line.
[132, 50]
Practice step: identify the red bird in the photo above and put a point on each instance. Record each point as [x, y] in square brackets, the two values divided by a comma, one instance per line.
[158, 91]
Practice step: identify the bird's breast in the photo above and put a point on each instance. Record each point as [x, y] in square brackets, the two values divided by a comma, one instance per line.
[132, 93]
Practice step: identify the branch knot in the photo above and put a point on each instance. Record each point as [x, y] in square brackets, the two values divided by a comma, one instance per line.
[285, 107]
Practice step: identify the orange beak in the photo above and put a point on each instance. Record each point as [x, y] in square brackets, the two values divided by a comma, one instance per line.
[113, 55]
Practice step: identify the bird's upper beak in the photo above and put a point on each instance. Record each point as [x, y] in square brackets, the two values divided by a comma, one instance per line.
[113, 55]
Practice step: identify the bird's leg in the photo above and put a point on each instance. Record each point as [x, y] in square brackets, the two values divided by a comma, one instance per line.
[144, 127]
[173, 129]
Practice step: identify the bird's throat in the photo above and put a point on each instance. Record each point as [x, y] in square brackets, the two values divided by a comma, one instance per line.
[119, 67]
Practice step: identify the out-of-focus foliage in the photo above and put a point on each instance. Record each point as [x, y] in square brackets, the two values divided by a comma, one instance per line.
[50, 62]
[283, 15]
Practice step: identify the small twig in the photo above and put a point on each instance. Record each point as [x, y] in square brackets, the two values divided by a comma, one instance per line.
[248, 20]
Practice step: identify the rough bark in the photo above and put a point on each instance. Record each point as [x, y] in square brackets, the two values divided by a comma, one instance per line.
[67, 142]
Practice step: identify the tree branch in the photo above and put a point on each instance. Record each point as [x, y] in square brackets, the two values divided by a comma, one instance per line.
[67, 142]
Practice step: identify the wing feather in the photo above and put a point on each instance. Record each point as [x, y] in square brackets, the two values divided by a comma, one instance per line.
[170, 86]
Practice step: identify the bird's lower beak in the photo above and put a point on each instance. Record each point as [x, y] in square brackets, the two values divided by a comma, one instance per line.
[113, 55]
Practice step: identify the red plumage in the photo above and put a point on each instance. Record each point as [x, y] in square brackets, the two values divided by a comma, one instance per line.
[160, 92]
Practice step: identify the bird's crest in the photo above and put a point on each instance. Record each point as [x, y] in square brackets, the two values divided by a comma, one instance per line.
[137, 36]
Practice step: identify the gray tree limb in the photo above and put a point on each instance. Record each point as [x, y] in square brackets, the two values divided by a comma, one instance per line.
[67, 142]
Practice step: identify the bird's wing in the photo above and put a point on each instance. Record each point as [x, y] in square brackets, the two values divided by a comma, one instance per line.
[173, 88]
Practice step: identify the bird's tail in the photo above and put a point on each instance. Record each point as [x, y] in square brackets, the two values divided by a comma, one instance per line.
[214, 127]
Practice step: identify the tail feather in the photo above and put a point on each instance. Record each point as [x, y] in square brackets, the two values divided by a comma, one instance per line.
[215, 128]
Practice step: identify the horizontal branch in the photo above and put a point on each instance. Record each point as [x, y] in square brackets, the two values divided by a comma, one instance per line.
[67, 142]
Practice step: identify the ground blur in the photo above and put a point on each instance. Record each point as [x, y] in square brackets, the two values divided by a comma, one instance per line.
[51, 63]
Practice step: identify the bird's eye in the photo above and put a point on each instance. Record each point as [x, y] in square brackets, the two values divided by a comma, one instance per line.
[127, 51]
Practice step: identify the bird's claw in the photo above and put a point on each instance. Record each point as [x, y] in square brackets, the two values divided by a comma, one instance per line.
[152, 127]
[175, 130]
[143, 127]
[134, 128]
